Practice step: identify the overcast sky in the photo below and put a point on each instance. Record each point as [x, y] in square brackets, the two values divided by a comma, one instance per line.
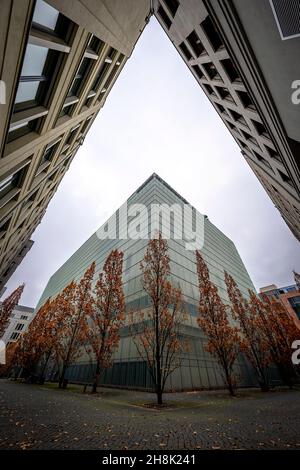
[157, 119]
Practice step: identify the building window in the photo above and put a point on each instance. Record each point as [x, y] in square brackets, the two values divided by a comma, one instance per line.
[273, 153]
[195, 43]
[50, 151]
[231, 70]
[285, 178]
[95, 44]
[243, 145]
[232, 126]
[262, 159]
[211, 71]
[42, 60]
[172, 6]
[71, 137]
[238, 117]
[88, 101]
[110, 78]
[245, 99]
[66, 110]
[45, 15]
[30, 200]
[224, 93]
[85, 125]
[53, 176]
[38, 69]
[198, 71]
[12, 181]
[221, 109]
[19, 326]
[24, 128]
[48, 156]
[80, 77]
[249, 137]
[212, 34]
[4, 227]
[163, 15]
[24, 317]
[103, 69]
[15, 335]
[46, 18]
[209, 89]
[185, 51]
[260, 128]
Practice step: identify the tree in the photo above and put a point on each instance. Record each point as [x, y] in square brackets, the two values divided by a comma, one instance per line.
[279, 331]
[251, 341]
[74, 305]
[156, 330]
[7, 306]
[34, 343]
[10, 353]
[223, 339]
[107, 315]
[48, 327]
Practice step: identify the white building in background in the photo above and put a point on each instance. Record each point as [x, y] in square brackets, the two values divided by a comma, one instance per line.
[19, 322]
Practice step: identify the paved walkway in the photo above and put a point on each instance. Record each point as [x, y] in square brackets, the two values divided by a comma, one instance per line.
[43, 417]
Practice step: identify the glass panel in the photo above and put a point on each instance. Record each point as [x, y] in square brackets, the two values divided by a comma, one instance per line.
[26, 91]
[45, 15]
[35, 58]
[6, 182]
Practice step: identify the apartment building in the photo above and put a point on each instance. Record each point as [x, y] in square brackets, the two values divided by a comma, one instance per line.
[18, 323]
[59, 61]
[288, 295]
[244, 55]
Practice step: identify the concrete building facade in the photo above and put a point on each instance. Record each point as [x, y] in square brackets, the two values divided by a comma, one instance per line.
[18, 323]
[199, 369]
[289, 296]
[244, 56]
[60, 59]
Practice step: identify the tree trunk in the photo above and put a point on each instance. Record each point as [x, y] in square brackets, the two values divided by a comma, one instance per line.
[96, 378]
[158, 360]
[42, 378]
[159, 396]
[229, 383]
[231, 389]
[62, 377]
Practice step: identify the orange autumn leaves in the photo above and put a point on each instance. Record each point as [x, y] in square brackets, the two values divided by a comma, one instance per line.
[107, 315]
[7, 306]
[156, 330]
[86, 317]
[79, 318]
[260, 328]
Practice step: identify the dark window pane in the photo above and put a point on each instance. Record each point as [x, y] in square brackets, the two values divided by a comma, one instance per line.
[185, 51]
[164, 17]
[195, 43]
[212, 34]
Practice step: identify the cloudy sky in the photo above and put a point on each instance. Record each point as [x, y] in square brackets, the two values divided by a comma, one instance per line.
[157, 119]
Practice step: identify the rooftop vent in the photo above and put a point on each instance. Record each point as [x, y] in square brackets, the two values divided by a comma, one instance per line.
[287, 16]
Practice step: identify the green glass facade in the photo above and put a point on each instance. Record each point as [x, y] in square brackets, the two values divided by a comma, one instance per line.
[198, 369]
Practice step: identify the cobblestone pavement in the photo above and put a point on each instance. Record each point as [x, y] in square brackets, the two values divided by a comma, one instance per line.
[43, 417]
